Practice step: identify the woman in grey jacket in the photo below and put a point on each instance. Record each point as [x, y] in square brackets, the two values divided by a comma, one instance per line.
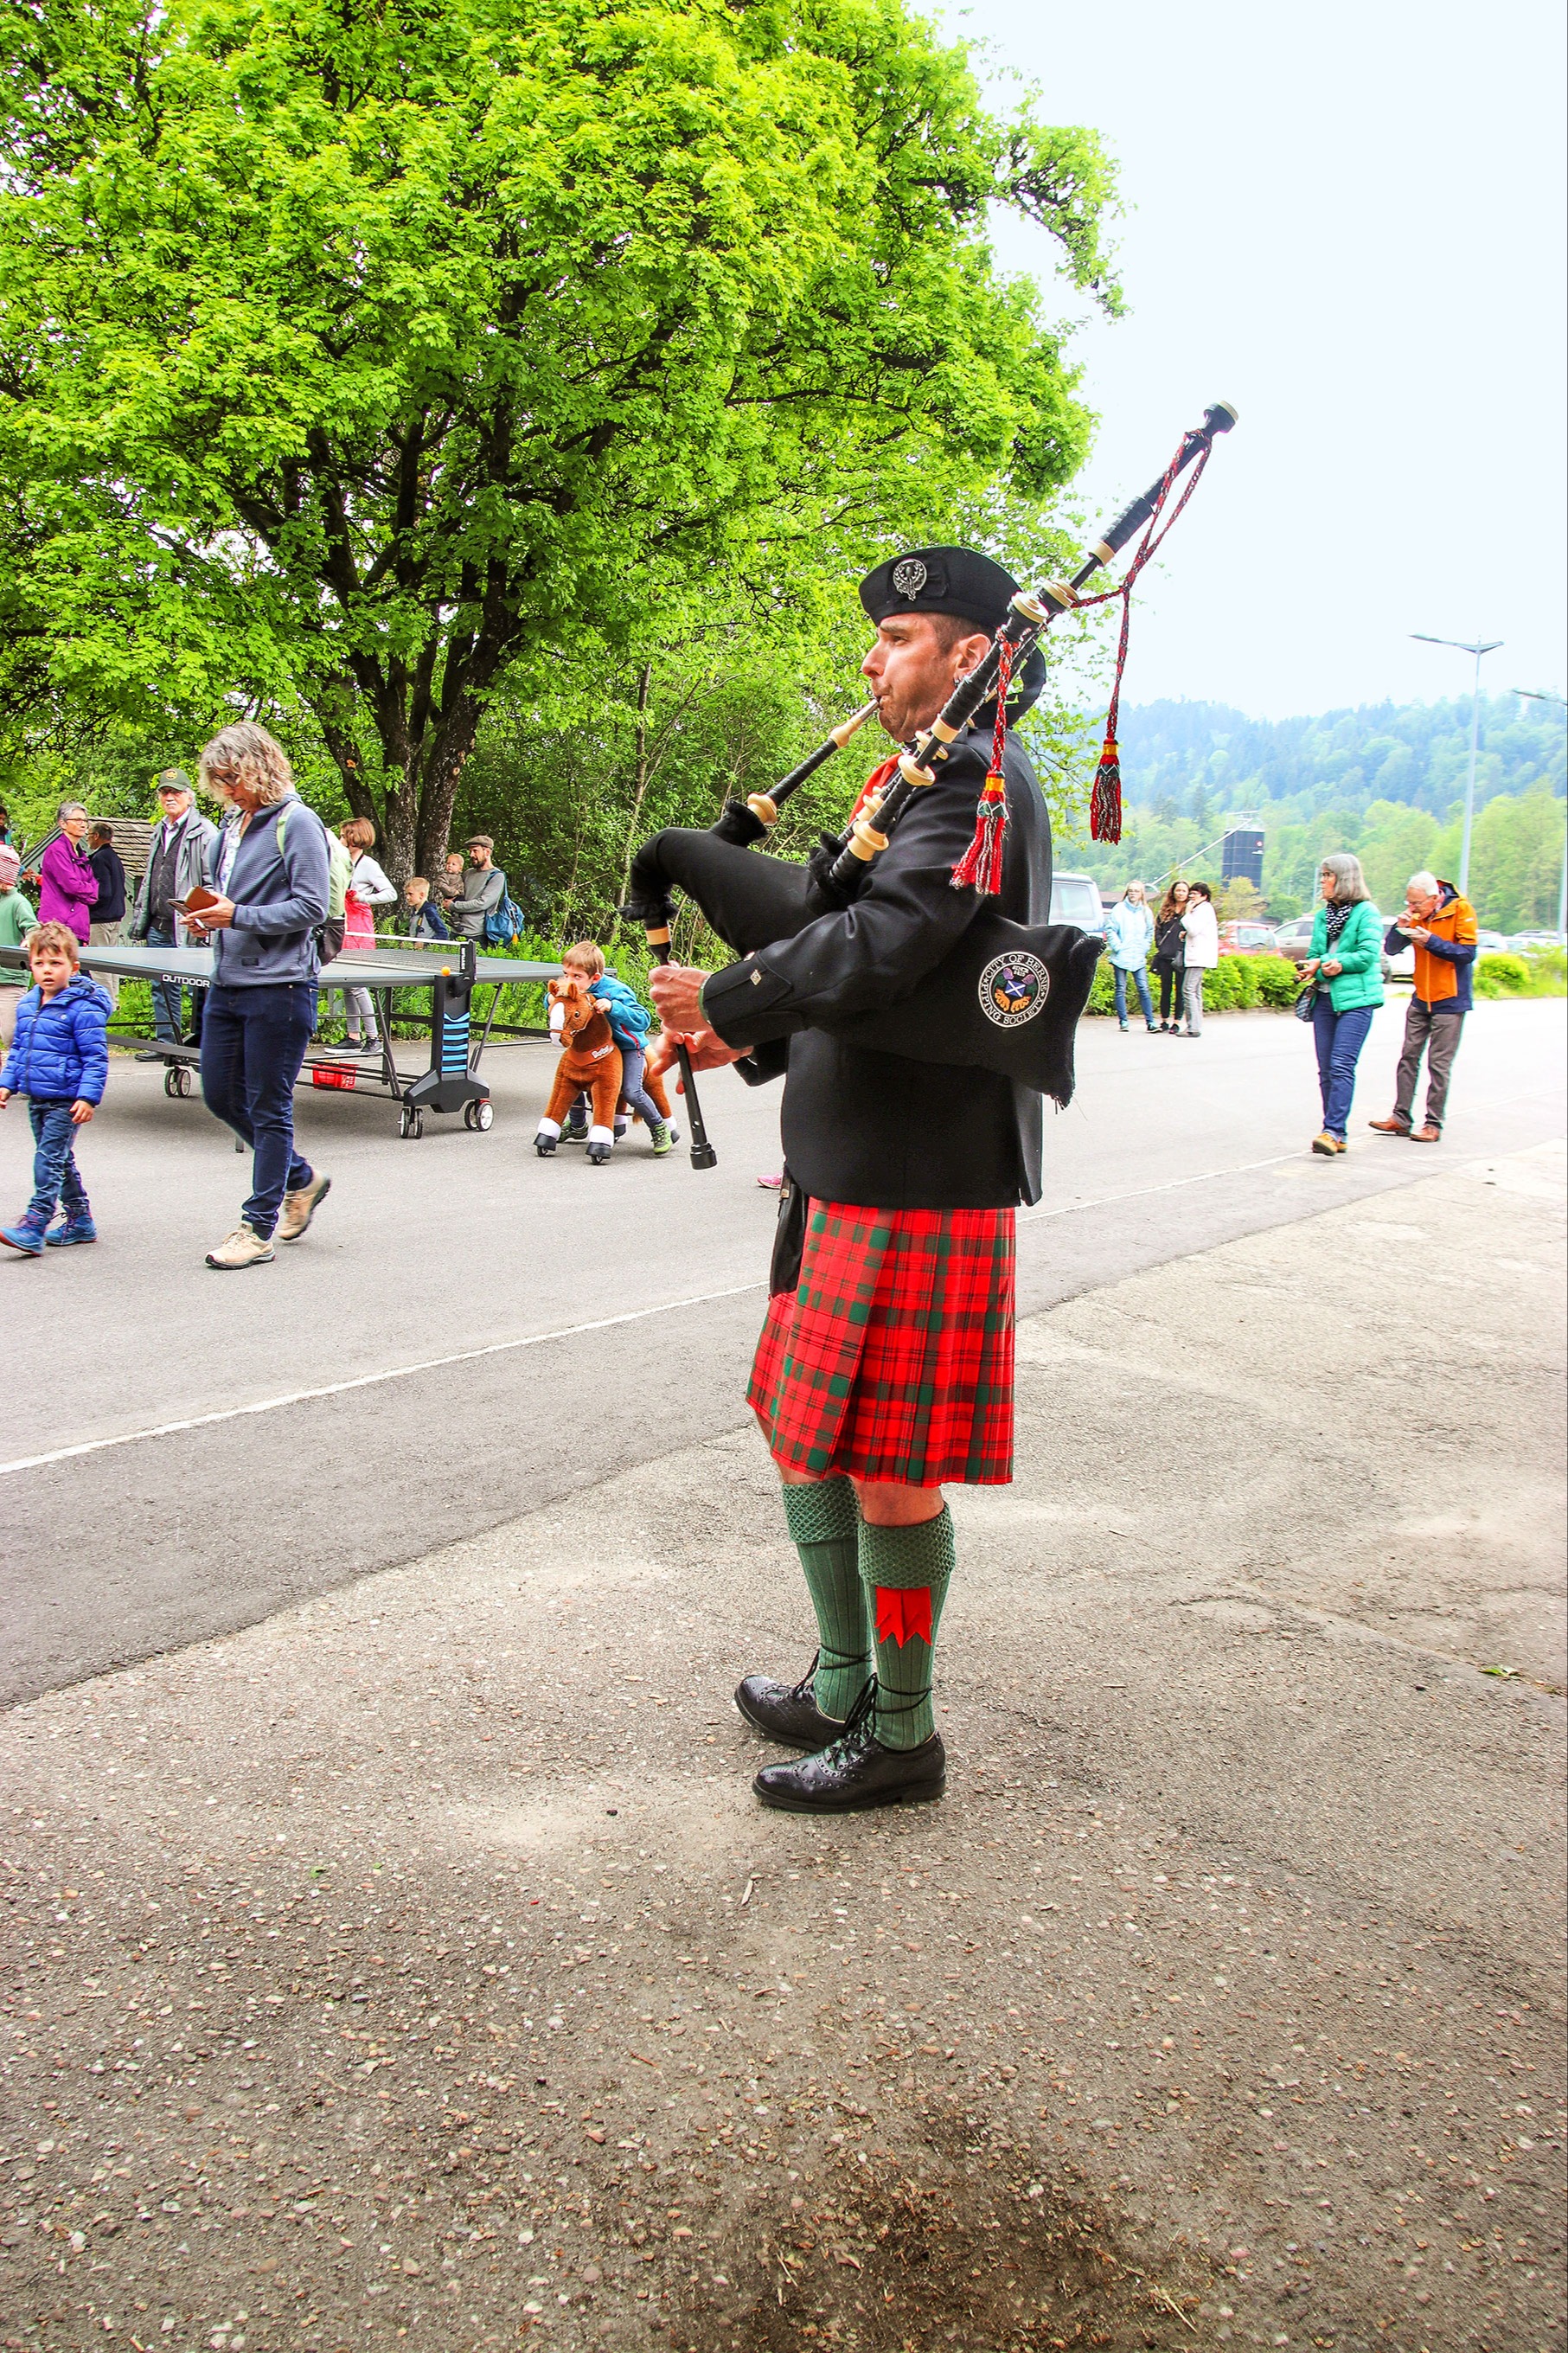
[272, 879]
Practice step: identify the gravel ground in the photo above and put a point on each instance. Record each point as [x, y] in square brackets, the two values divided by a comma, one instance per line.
[416, 1964]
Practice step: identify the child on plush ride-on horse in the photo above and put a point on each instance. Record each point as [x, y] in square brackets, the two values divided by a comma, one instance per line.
[641, 1097]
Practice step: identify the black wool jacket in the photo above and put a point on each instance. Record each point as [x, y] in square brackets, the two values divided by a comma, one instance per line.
[874, 1128]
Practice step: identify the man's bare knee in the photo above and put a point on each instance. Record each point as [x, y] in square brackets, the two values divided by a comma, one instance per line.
[889, 1504]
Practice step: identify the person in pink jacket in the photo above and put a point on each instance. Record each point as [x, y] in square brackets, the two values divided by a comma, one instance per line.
[368, 889]
[69, 885]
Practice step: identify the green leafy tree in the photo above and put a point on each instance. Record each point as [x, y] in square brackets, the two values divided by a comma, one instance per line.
[1516, 860]
[360, 354]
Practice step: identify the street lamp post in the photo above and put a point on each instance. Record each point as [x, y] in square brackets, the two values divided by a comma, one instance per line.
[1478, 649]
[1534, 694]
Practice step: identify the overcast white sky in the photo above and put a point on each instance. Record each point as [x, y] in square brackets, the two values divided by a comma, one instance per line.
[1349, 220]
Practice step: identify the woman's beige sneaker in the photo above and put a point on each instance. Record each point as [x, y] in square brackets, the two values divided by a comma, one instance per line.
[244, 1246]
[299, 1207]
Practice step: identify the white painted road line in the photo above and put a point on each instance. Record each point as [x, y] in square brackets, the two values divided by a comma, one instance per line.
[566, 1332]
[371, 1380]
[1172, 1184]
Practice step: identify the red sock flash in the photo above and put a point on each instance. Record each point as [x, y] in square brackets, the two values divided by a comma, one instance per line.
[903, 1610]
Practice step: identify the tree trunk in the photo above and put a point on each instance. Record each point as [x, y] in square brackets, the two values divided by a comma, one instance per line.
[444, 763]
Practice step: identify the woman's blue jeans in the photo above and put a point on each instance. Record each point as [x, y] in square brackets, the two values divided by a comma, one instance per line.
[1141, 978]
[1340, 1038]
[253, 1042]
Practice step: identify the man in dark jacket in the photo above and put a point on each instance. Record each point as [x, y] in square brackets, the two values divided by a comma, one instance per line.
[886, 1366]
[108, 907]
[179, 860]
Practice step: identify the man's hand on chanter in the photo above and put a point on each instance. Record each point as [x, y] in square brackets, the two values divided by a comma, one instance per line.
[677, 993]
[706, 1050]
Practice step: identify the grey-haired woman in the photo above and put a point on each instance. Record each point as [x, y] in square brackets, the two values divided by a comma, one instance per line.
[69, 885]
[1346, 966]
[271, 870]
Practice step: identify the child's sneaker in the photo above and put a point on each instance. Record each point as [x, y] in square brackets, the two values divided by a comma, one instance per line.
[576, 1130]
[80, 1229]
[27, 1235]
[662, 1138]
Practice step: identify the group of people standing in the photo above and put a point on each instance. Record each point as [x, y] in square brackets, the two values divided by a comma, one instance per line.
[1341, 982]
[1181, 941]
[279, 898]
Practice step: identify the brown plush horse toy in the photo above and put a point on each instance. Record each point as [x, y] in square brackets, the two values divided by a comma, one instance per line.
[590, 1058]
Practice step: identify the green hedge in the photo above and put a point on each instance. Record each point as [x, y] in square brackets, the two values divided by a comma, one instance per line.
[1537, 972]
[1236, 984]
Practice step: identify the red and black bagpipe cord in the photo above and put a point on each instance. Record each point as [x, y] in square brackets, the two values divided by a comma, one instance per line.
[982, 862]
[1105, 796]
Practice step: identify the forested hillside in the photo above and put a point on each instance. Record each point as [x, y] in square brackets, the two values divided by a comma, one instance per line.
[1386, 781]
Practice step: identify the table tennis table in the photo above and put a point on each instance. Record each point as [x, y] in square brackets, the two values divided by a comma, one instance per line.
[451, 971]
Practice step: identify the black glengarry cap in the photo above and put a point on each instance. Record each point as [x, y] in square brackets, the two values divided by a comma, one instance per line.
[956, 580]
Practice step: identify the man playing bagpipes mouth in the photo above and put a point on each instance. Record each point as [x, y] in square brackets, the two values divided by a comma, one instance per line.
[885, 1367]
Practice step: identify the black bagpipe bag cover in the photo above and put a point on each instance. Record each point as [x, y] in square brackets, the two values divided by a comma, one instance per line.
[1008, 998]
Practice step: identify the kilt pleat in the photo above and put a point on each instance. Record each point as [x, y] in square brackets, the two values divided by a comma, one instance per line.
[893, 1358]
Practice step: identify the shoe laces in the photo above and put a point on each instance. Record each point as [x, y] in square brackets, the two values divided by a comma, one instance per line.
[857, 1728]
[804, 1691]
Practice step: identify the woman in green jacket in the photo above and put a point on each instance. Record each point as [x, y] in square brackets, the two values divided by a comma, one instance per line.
[1346, 962]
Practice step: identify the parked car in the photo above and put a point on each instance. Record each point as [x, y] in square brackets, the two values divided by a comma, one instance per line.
[1237, 938]
[1490, 944]
[1075, 899]
[1294, 939]
[1522, 942]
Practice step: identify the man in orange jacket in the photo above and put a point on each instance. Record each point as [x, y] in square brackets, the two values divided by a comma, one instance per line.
[1443, 928]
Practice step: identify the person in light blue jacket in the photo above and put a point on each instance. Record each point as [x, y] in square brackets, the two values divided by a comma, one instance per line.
[271, 873]
[629, 1021]
[1128, 936]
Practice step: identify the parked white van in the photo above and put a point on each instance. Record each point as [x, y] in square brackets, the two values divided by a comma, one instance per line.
[1075, 899]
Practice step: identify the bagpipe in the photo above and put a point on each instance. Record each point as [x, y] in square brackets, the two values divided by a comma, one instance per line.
[1009, 996]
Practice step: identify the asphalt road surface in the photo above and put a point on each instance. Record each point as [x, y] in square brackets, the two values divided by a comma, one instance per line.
[469, 1332]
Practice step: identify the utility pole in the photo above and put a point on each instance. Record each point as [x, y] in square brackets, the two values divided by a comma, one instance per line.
[1534, 694]
[1478, 649]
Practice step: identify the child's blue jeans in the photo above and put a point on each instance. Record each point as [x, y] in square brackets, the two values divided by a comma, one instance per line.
[55, 1178]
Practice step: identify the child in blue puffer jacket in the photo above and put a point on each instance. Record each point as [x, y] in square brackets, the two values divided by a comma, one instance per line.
[629, 1021]
[59, 1060]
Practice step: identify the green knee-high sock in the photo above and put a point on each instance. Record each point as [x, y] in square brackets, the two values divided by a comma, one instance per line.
[906, 1572]
[824, 1524]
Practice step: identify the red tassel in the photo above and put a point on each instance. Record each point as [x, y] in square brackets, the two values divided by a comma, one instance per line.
[1105, 800]
[981, 861]
[902, 1612]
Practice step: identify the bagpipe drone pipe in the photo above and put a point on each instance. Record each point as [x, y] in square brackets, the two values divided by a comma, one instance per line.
[1020, 989]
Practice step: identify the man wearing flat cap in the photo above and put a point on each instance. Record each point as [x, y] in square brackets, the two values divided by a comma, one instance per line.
[885, 1367]
[179, 858]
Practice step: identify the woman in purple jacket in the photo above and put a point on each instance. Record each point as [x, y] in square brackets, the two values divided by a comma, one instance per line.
[69, 886]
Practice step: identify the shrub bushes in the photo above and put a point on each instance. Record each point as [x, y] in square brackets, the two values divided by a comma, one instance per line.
[1501, 976]
[1539, 972]
[1236, 984]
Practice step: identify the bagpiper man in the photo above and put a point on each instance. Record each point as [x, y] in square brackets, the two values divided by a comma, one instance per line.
[885, 1367]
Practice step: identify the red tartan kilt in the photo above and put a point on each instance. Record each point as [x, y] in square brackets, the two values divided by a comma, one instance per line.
[894, 1357]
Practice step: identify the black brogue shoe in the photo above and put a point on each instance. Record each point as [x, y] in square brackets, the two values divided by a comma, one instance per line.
[856, 1772]
[787, 1713]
